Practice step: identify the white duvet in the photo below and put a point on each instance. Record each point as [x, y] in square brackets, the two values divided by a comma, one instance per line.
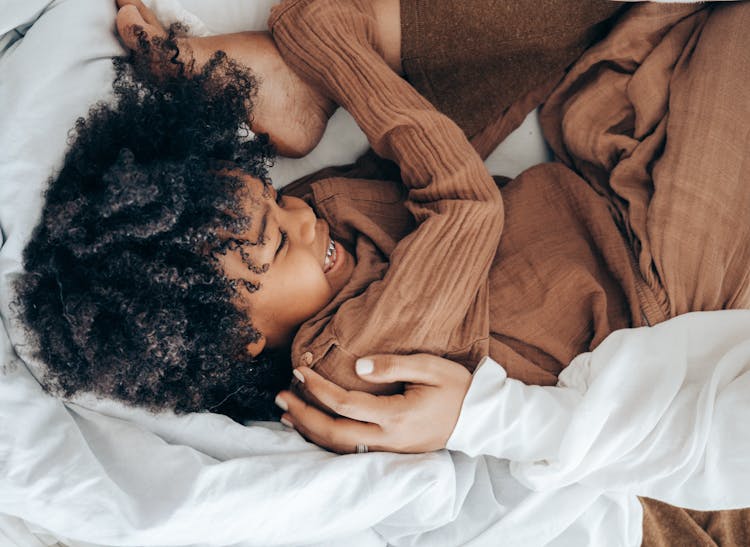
[97, 473]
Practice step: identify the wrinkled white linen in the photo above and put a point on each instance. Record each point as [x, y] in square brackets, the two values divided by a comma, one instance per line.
[657, 411]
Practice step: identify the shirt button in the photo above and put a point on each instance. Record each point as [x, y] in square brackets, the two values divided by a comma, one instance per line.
[307, 358]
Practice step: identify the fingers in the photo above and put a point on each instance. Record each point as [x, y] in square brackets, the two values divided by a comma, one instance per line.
[417, 369]
[341, 435]
[127, 19]
[356, 405]
[134, 15]
[395, 423]
[147, 15]
[130, 24]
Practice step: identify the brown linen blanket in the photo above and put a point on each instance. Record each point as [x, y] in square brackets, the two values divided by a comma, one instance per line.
[657, 118]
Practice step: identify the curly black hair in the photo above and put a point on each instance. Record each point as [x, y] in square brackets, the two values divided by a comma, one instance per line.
[122, 294]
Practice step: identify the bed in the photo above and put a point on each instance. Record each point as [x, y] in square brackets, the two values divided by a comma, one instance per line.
[95, 472]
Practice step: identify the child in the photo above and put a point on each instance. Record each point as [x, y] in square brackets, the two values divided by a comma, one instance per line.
[132, 289]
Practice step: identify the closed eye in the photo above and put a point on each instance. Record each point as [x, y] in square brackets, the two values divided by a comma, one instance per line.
[282, 242]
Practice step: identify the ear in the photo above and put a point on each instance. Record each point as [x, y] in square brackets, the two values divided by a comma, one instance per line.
[254, 348]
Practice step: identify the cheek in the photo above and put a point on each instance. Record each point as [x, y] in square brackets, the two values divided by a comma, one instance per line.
[318, 289]
[306, 286]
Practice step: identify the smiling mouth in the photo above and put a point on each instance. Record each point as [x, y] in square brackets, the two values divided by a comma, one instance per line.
[331, 256]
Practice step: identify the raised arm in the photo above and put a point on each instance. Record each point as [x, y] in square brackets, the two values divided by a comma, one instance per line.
[438, 271]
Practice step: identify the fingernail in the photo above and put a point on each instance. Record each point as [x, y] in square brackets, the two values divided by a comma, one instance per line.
[281, 403]
[364, 366]
[287, 422]
[298, 375]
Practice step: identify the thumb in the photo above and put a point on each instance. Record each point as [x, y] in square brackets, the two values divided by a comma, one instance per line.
[419, 368]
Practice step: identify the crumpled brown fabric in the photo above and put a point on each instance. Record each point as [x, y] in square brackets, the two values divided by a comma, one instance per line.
[656, 118]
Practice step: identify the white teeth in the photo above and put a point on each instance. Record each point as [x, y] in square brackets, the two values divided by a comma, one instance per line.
[330, 259]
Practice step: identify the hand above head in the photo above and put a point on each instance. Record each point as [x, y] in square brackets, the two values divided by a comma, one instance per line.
[421, 419]
[291, 112]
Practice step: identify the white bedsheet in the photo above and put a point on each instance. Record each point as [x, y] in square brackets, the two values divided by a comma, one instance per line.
[99, 473]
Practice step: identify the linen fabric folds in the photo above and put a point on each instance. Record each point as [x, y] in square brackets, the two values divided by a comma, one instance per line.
[655, 118]
[675, 429]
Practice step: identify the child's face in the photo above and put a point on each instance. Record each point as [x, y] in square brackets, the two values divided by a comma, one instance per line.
[300, 280]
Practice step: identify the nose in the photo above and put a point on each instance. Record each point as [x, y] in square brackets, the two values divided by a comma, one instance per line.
[300, 220]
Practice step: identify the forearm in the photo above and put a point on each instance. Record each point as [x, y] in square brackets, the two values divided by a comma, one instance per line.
[455, 202]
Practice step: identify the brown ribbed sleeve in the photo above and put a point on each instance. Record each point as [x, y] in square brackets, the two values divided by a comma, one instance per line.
[437, 272]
